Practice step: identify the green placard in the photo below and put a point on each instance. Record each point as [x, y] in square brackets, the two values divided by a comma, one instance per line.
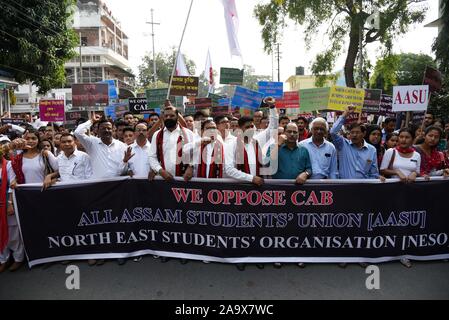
[231, 76]
[156, 98]
[314, 99]
[215, 98]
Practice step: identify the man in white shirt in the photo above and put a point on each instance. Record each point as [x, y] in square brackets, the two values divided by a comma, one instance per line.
[207, 153]
[224, 127]
[243, 156]
[140, 163]
[166, 157]
[109, 157]
[74, 165]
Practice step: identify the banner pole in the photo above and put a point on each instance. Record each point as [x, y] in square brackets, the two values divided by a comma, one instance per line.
[179, 50]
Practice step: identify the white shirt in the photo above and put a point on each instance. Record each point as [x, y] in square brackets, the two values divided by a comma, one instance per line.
[193, 149]
[34, 169]
[76, 167]
[262, 138]
[107, 161]
[140, 162]
[230, 165]
[169, 149]
[405, 165]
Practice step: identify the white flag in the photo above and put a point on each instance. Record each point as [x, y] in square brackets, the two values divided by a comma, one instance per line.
[209, 72]
[232, 26]
[181, 68]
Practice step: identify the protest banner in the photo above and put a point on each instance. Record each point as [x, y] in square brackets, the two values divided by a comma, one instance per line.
[386, 105]
[72, 116]
[227, 222]
[271, 89]
[314, 99]
[90, 95]
[51, 110]
[156, 98]
[215, 98]
[231, 76]
[139, 106]
[433, 78]
[371, 104]
[341, 97]
[203, 103]
[184, 86]
[410, 98]
[14, 121]
[246, 98]
[290, 99]
[112, 89]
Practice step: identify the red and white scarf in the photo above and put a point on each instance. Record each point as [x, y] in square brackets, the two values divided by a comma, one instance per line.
[216, 164]
[182, 139]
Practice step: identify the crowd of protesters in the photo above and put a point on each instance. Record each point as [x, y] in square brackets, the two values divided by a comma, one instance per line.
[248, 149]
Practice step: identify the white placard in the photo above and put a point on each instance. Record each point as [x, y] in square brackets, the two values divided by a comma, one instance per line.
[410, 98]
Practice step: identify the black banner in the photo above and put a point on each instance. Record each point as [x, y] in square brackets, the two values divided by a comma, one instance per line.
[139, 106]
[229, 222]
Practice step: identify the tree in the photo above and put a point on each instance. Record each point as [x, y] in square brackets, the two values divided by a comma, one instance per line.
[36, 39]
[400, 69]
[164, 67]
[250, 79]
[345, 18]
[441, 44]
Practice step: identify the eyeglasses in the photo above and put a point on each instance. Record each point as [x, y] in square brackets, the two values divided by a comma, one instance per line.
[141, 130]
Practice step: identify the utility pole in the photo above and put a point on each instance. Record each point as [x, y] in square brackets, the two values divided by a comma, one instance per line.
[154, 55]
[81, 62]
[361, 32]
[278, 53]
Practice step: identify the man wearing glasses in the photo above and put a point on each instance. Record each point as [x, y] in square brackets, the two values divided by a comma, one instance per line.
[323, 154]
[73, 165]
[140, 163]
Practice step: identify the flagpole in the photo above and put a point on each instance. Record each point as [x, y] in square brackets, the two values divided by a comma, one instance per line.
[179, 50]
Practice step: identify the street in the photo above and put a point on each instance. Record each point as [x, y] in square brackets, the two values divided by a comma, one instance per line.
[151, 279]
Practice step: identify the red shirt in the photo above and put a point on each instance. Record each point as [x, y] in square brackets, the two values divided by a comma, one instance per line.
[435, 161]
[304, 136]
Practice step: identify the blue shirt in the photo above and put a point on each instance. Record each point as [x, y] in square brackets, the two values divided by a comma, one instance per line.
[354, 162]
[291, 162]
[323, 159]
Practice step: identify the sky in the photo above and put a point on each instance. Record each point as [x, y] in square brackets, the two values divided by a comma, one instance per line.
[206, 30]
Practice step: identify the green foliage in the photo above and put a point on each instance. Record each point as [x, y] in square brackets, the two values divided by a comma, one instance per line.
[441, 44]
[36, 39]
[250, 80]
[164, 66]
[401, 69]
[344, 18]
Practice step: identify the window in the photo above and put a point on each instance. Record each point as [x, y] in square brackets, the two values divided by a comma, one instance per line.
[83, 41]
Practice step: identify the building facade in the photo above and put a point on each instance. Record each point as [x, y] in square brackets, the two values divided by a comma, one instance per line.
[104, 49]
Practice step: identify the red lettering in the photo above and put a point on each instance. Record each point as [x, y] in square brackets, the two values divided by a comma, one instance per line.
[398, 98]
[240, 195]
[197, 195]
[183, 194]
[295, 197]
[415, 96]
[312, 199]
[422, 96]
[250, 198]
[228, 195]
[267, 198]
[212, 200]
[279, 198]
[407, 98]
[327, 198]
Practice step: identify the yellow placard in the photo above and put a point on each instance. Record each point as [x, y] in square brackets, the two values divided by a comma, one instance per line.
[341, 97]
